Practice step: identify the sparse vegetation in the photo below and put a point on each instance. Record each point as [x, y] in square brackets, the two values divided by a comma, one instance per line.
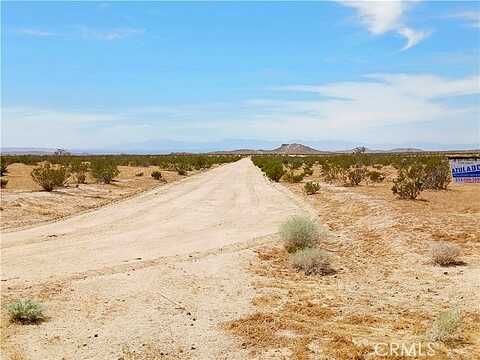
[26, 311]
[437, 174]
[311, 187]
[299, 232]
[291, 177]
[3, 166]
[409, 182]
[445, 326]
[356, 174]
[79, 170]
[375, 176]
[50, 177]
[272, 167]
[445, 254]
[157, 175]
[182, 169]
[104, 171]
[3, 182]
[312, 261]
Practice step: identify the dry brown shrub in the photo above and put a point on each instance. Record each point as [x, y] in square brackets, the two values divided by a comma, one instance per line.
[445, 254]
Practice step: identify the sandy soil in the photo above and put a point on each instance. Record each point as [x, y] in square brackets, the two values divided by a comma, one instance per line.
[24, 204]
[386, 289]
[149, 277]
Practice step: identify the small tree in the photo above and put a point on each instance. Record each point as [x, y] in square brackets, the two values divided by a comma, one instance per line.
[104, 171]
[48, 177]
[311, 187]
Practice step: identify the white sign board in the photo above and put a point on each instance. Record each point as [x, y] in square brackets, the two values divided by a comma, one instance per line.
[465, 170]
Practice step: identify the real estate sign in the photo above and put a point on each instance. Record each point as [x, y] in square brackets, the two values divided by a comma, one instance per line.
[465, 169]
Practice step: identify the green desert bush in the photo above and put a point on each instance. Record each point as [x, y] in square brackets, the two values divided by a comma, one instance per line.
[445, 326]
[182, 169]
[410, 182]
[104, 170]
[312, 261]
[25, 311]
[79, 170]
[311, 187]
[445, 254]
[291, 177]
[157, 175]
[3, 166]
[299, 232]
[356, 174]
[375, 176]
[437, 175]
[50, 177]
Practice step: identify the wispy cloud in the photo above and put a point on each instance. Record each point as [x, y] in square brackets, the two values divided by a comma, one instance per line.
[35, 32]
[472, 18]
[381, 17]
[109, 34]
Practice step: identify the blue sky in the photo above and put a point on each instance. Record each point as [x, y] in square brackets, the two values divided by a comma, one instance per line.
[92, 75]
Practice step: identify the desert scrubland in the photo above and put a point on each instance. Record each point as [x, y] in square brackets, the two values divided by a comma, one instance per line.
[206, 267]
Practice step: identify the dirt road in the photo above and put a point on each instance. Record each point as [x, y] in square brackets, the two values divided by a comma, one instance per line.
[155, 273]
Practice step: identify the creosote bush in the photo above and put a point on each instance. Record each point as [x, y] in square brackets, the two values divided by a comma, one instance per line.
[375, 176]
[157, 175]
[445, 326]
[291, 177]
[312, 261]
[104, 170]
[299, 232]
[25, 311]
[182, 169]
[437, 175]
[3, 182]
[3, 166]
[49, 177]
[445, 254]
[79, 169]
[356, 174]
[410, 182]
[311, 187]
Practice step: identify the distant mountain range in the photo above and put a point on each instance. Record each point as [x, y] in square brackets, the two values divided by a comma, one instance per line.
[184, 148]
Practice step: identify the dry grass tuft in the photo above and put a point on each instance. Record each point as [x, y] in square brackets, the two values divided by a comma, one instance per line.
[445, 254]
[445, 326]
[312, 262]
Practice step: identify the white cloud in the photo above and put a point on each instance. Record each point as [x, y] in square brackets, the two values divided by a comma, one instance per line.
[110, 34]
[34, 32]
[470, 17]
[381, 17]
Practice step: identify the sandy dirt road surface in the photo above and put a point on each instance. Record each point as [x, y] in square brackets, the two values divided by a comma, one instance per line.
[151, 276]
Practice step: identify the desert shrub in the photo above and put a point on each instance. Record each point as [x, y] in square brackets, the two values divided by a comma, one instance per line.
[311, 187]
[104, 170]
[291, 177]
[3, 182]
[49, 177]
[79, 170]
[139, 174]
[356, 174]
[437, 175]
[157, 175]
[299, 232]
[410, 182]
[307, 171]
[312, 261]
[445, 326]
[3, 166]
[25, 311]
[445, 254]
[182, 169]
[375, 176]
